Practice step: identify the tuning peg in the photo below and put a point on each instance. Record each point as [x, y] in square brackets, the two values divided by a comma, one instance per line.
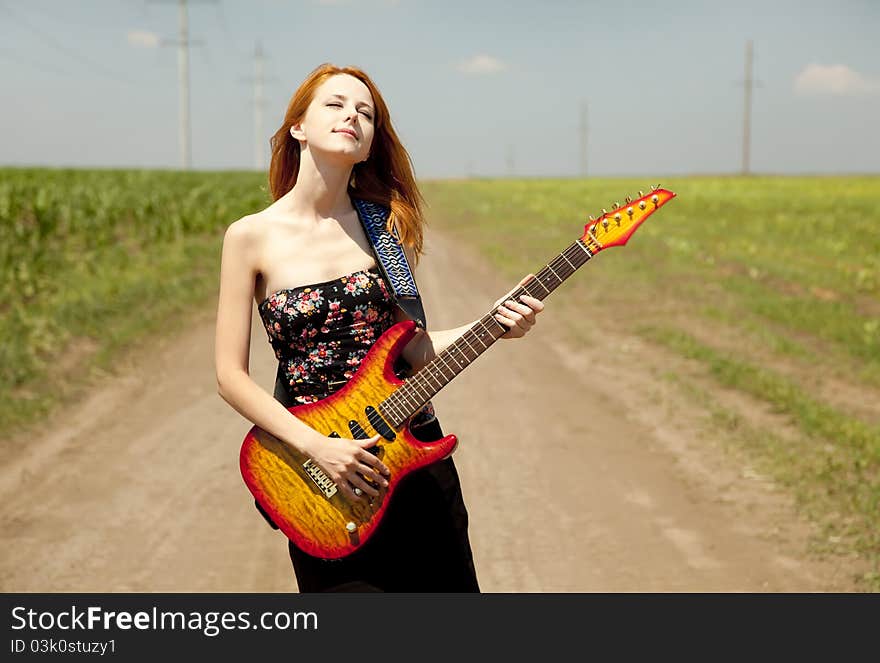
[591, 218]
[641, 193]
[628, 200]
[615, 205]
[642, 205]
[629, 211]
[655, 198]
[617, 218]
[654, 187]
[604, 211]
[605, 223]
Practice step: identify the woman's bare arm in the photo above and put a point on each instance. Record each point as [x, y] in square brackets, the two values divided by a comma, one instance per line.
[346, 461]
[238, 271]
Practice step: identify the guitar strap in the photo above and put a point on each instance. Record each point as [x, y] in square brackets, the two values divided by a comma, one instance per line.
[391, 258]
[396, 271]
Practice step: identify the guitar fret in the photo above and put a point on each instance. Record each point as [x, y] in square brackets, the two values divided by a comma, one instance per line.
[392, 409]
[481, 342]
[415, 385]
[464, 338]
[429, 374]
[442, 359]
[580, 244]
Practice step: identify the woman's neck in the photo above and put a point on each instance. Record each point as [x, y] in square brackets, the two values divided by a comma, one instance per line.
[321, 189]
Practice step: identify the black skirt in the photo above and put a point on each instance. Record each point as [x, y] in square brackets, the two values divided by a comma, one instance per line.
[420, 545]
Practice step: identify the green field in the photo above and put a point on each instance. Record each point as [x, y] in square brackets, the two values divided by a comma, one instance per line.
[769, 285]
[94, 261]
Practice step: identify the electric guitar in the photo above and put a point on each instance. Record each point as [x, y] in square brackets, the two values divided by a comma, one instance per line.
[295, 492]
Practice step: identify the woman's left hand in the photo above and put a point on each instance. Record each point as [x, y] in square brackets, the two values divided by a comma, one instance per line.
[519, 316]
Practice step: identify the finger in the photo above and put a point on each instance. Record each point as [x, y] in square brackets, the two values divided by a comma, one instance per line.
[358, 483]
[372, 474]
[514, 331]
[370, 460]
[510, 314]
[507, 295]
[366, 443]
[535, 304]
[522, 309]
[348, 490]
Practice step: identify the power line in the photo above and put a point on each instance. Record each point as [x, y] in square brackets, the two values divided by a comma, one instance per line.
[221, 16]
[12, 55]
[54, 43]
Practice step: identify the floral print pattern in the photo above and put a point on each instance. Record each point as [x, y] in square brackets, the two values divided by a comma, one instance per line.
[321, 333]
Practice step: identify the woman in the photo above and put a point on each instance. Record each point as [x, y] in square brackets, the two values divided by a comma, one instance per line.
[308, 265]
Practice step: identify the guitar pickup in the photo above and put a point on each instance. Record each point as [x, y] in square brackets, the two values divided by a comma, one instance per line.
[379, 424]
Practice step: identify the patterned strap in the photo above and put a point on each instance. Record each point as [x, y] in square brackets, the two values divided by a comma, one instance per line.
[391, 258]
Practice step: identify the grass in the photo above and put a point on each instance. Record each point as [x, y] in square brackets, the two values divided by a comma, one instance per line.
[94, 261]
[770, 284]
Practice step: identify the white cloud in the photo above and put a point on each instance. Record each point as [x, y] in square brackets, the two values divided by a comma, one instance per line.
[836, 79]
[143, 39]
[481, 64]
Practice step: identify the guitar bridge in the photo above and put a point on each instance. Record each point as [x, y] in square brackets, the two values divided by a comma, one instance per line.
[322, 481]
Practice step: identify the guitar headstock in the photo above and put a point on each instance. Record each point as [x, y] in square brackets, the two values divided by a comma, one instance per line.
[614, 228]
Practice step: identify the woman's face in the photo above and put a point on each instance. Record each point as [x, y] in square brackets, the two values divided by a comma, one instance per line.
[339, 121]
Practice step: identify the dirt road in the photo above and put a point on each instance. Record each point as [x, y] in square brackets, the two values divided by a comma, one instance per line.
[581, 470]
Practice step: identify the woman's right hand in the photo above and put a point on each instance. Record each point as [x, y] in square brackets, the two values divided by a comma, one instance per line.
[349, 465]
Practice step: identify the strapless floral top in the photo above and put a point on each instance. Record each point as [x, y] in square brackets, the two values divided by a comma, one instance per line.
[321, 332]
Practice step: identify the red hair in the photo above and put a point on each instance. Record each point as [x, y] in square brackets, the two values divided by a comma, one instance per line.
[386, 177]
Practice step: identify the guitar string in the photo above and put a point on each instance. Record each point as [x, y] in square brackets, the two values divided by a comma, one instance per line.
[403, 396]
[401, 399]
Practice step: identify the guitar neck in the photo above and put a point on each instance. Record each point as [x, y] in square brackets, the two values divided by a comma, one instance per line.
[440, 371]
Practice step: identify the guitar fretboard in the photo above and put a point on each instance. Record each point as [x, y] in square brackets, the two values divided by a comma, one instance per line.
[417, 390]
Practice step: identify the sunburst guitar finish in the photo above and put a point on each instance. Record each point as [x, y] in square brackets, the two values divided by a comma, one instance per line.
[278, 476]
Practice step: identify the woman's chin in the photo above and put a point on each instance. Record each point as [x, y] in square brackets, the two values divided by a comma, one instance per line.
[338, 158]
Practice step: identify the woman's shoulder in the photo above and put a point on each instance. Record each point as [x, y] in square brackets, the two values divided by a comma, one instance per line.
[252, 229]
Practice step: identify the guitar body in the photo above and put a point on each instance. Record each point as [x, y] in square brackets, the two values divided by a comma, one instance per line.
[296, 494]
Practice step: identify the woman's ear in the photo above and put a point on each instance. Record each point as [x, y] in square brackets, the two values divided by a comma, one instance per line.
[297, 132]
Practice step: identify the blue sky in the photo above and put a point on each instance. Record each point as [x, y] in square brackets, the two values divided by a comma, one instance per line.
[484, 88]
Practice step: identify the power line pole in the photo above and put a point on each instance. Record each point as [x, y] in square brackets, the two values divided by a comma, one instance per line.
[584, 139]
[259, 80]
[183, 43]
[183, 81]
[747, 111]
